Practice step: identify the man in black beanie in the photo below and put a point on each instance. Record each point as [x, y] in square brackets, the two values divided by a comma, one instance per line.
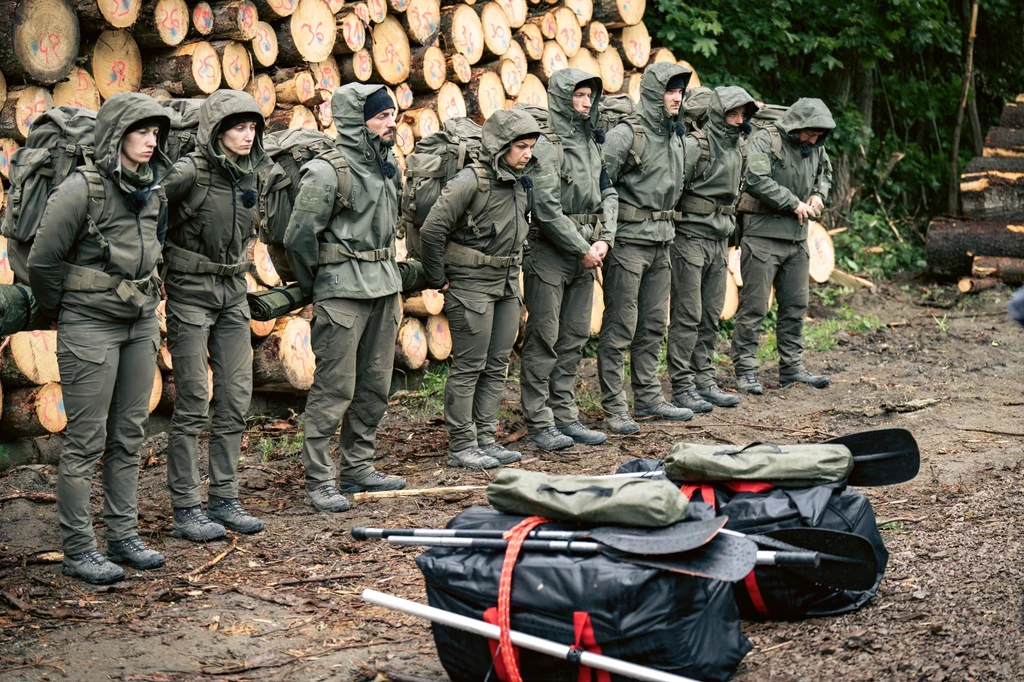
[341, 242]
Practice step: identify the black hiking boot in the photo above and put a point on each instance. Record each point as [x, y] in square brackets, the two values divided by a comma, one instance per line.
[804, 377]
[692, 400]
[666, 411]
[501, 453]
[550, 439]
[192, 524]
[326, 498]
[581, 434]
[92, 567]
[717, 397]
[748, 383]
[135, 552]
[472, 458]
[373, 483]
[228, 512]
[620, 423]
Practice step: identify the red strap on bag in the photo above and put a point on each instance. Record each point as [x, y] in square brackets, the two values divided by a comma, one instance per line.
[583, 631]
[707, 493]
[750, 582]
[515, 537]
[491, 616]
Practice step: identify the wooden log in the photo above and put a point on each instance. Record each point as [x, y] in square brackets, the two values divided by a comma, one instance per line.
[116, 63]
[309, 34]
[264, 45]
[405, 138]
[359, 9]
[351, 34]
[23, 105]
[822, 252]
[425, 303]
[323, 112]
[234, 20]
[497, 32]
[584, 10]
[422, 121]
[992, 188]
[568, 33]
[734, 262]
[190, 70]
[358, 67]
[533, 92]
[168, 394]
[202, 19]
[663, 54]
[376, 10]
[845, 279]
[77, 90]
[518, 57]
[531, 40]
[294, 86]
[552, 60]
[694, 77]
[633, 86]
[427, 69]
[6, 271]
[3, 90]
[732, 297]
[508, 73]
[7, 147]
[635, 43]
[263, 265]
[585, 61]
[462, 31]
[545, 23]
[1003, 268]
[422, 21]
[613, 73]
[619, 13]
[157, 390]
[459, 69]
[275, 10]
[284, 361]
[33, 411]
[597, 38]
[29, 358]
[516, 11]
[411, 344]
[439, 337]
[597, 308]
[449, 102]
[326, 74]
[40, 39]
[485, 94]
[164, 360]
[952, 243]
[404, 96]
[261, 87]
[235, 63]
[290, 117]
[1004, 142]
[1013, 115]
[398, 6]
[162, 23]
[391, 51]
[99, 15]
[974, 285]
[161, 316]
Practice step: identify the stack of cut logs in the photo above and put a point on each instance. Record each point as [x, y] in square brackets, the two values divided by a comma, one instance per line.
[986, 246]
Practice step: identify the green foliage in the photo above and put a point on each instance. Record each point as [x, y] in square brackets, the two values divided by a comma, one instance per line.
[428, 396]
[819, 335]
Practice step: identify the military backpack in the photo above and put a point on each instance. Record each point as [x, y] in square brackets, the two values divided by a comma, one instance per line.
[766, 118]
[616, 109]
[184, 134]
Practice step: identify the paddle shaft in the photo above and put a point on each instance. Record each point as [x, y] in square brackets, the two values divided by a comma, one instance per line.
[521, 639]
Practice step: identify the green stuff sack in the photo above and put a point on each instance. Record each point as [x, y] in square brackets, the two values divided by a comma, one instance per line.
[784, 466]
[276, 302]
[18, 310]
[588, 499]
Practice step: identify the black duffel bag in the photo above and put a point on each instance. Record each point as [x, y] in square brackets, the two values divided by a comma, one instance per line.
[667, 621]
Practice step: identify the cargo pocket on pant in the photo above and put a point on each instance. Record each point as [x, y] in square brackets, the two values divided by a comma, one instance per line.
[76, 360]
[689, 252]
[465, 316]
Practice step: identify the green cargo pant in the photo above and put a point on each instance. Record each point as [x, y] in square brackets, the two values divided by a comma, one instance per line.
[353, 341]
[560, 297]
[785, 263]
[191, 332]
[483, 331]
[698, 294]
[637, 279]
[106, 375]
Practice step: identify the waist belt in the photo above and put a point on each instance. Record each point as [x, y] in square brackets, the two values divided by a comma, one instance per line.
[457, 254]
[700, 206]
[190, 262]
[336, 253]
[90, 280]
[584, 220]
[632, 214]
[750, 204]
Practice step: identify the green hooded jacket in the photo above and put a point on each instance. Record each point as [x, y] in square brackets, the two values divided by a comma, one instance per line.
[501, 221]
[223, 228]
[782, 185]
[133, 240]
[657, 183]
[369, 224]
[720, 180]
[575, 188]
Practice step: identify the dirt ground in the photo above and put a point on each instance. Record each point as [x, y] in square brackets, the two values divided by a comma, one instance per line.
[950, 608]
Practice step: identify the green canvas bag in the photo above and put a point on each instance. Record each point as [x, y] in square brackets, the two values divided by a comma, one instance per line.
[784, 466]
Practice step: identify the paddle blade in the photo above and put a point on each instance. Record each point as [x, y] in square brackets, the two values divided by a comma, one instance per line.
[679, 537]
[882, 457]
[847, 561]
[725, 557]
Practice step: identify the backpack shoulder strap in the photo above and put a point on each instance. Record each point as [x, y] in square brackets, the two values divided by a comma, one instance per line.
[483, 192]
[773, 130]
[636, 152]
[704, 160]
[96, 195]
[197, 195]
[341, 167]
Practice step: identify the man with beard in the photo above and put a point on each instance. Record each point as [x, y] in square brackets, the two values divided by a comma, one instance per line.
[789, 176]
[343, 252]
[714, 177]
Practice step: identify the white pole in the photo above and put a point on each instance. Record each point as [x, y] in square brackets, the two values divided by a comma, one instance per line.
[520, 639]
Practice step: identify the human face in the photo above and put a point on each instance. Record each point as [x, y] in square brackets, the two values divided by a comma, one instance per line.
[581, 100]
[384, 126]
[138, 146]
[735, 117]
[809, 138]
[673, 100]
[238, 140]
[520, 153]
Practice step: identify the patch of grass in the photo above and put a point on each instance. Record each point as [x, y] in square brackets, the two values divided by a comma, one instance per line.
[829, 296]
[820, 335]
[588, 395]
[428, 395]
[286, 445]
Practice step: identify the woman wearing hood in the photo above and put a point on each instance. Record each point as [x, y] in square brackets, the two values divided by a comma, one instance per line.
[93, 268]
[472, 247]
[212, 194]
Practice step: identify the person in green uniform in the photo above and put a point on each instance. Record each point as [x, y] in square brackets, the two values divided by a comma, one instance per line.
[715, 168]
[345, 258]
[789, 174]
[472, 247]
[637, 271]
[93, 267]
[212, 194]
[575, 206]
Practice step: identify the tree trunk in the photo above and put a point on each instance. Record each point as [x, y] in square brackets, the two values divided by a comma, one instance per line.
[290, 117]
[294, 85]
[597, 37]
[568, 33]
[29, 359]
[633, 86]
[391, 51]
[635, 42]
[422, 21]
[423, 121]
[427, 69]
[7, 147]
[326, 75]
[993, 188]
[583, 9]
[439, 337]
[358, 67]
[404, 96]
[309, 34]
[732, 297]
[972, 285]
[1004, 142]
[157, 390]
[459, 69]
[33, 411]
[202, 19]
[952, 243]
[265, 272]
[406, 141]
[261, 87]
[116, 64]
[425, 303]
[161, 317]
[1013, 115]
[41, 39]
[485, 94]
[273, 10]
[516, 55]
[23, 105]
[449, 102]
[235, 63]
[264, 45]
[411, 344]
[1005, 269]
[6, 272]
[351, 34]
[531, 40]
[586, 61]
[533, 92]
[78, 90]
[619, 13]
[613, 73]
[552, 60]
[545, 23]
[164, 360]
[515, 11]
[955, 183]
[234, 20]
[822, 253]
[597, 309]
[461, 29]
[497, 32]
[377, 10]
[189, 70]
[284, 361]
[162, 23]
[99, 15]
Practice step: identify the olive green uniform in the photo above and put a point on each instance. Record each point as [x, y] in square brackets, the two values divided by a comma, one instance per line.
[574, 209]
[104, 287]
[473, 240]
[207, 312]
[637, 271]
[699, 251]
[774, 245]
[346, 259]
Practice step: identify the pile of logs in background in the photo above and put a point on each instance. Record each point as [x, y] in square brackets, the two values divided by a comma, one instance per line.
[986, 245]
